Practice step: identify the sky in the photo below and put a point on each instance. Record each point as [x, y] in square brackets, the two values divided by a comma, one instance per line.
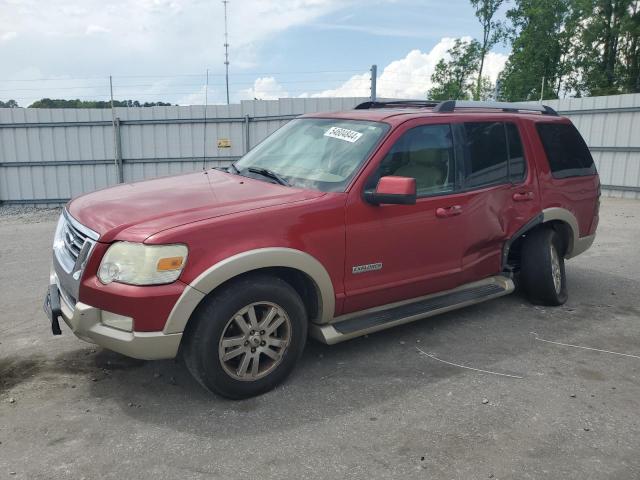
[159, 50]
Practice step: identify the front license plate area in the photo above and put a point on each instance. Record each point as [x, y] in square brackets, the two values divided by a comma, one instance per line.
[52, 308]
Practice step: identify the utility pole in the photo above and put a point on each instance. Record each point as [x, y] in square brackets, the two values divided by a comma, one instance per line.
[542, 90]
[115, 123]
[496, 93]
[204, 130]
[374, 77]
[226, 48]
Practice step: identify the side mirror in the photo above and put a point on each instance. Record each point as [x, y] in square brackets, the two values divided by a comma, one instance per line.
[393, 190]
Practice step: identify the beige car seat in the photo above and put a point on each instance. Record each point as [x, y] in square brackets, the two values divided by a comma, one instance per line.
[427, 165]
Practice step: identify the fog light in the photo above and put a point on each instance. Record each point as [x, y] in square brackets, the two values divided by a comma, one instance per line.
[114, 320]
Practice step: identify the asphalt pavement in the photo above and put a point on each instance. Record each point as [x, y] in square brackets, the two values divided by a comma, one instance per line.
[500, 390]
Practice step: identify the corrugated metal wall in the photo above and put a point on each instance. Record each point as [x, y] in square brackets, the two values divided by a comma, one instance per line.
[48, 156]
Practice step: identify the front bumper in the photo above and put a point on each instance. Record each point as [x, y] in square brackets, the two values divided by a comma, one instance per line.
[86, 322]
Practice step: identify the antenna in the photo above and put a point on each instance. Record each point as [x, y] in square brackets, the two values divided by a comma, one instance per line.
[226, 47]
[204, 134]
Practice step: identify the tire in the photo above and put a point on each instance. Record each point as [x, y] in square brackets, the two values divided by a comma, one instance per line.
[224, 337]
[542, 261]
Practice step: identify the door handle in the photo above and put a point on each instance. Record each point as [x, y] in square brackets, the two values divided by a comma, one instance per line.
[522, 196]
[445, 212]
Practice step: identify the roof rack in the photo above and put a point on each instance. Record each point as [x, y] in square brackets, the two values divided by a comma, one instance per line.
[398, 104]
[449, 106]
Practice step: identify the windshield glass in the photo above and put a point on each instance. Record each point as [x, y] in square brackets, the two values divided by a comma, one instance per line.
[318, 153]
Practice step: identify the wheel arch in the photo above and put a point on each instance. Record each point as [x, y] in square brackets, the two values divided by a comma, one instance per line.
[565, 224]
[302, 271]
[559, 219]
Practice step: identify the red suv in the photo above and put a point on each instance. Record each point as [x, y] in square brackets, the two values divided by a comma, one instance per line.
[337, 225]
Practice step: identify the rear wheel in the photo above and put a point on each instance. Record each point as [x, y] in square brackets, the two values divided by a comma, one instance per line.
[542, 275]
[247, 337]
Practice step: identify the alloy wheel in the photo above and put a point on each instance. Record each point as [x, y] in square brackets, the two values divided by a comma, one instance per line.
[254, 341]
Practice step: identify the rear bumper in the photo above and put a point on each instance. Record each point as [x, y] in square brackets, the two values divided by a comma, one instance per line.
[581, 245]
[86, 322]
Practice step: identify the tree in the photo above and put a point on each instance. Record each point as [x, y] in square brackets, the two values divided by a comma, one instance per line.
[608, 53]
[456, 78]
[542, 35]
[492, 33]
[61, 103]
[9, 104]
[630, 49]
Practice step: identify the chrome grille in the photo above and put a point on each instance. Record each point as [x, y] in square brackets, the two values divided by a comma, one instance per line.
[73, 240]
[73, 243]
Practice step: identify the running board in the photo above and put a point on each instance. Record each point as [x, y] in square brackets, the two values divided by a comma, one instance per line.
[356, 324]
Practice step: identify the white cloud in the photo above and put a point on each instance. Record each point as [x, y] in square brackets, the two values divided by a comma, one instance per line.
[494, 64]
[200, 97]
[91, 29]
[6, 36]
[264, 88]
[409, 77]
[141, 37]
[182, 21]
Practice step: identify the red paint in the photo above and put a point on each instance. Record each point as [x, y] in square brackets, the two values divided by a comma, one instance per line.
[149, 306]
[396, 186]
[438, 243]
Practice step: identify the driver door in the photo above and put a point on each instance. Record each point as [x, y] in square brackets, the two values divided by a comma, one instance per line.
[399, 252]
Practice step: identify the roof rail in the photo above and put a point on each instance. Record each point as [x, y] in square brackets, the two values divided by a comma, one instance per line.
[449, 106]
[398, 104]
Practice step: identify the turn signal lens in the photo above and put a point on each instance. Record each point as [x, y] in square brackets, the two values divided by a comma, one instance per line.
[171, 263]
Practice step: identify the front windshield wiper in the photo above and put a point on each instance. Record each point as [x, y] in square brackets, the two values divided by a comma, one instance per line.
[265, 172]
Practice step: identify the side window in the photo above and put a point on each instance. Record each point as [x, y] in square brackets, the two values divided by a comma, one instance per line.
[486, 154]
[424, 153]
[566, 151]
[517, 163]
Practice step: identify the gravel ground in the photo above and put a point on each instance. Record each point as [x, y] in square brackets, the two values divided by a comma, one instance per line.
[374, 407]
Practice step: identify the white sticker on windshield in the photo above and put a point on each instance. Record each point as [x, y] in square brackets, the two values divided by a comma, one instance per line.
[345, 134]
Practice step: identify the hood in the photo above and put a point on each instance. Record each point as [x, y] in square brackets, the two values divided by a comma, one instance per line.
[134, 211]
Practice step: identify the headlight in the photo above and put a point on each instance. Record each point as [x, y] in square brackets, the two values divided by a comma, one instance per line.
[139, 264]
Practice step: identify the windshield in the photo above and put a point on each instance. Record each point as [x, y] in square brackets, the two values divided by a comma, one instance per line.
[318, 153]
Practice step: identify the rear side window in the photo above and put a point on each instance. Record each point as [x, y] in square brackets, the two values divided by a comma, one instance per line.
[567, 153]
[486, 154]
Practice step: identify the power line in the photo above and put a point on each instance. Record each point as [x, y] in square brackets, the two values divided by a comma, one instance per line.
[179, 75]
[126, 86]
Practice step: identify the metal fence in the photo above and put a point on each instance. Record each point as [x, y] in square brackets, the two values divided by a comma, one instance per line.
[48, 156]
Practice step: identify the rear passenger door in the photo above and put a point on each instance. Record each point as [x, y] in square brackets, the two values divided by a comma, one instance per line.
[499, 193]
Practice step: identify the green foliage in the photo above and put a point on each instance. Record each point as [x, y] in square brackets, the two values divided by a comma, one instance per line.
[541, 34]
[9, 104]
[493, 31]
[608, 51]
[455, 79]
[60, 103]
[579, 47]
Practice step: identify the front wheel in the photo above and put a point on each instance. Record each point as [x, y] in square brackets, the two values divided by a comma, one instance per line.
[542, 273]
[247, 337]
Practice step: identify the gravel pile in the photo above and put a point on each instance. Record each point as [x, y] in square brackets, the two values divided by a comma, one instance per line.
[27, 214]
